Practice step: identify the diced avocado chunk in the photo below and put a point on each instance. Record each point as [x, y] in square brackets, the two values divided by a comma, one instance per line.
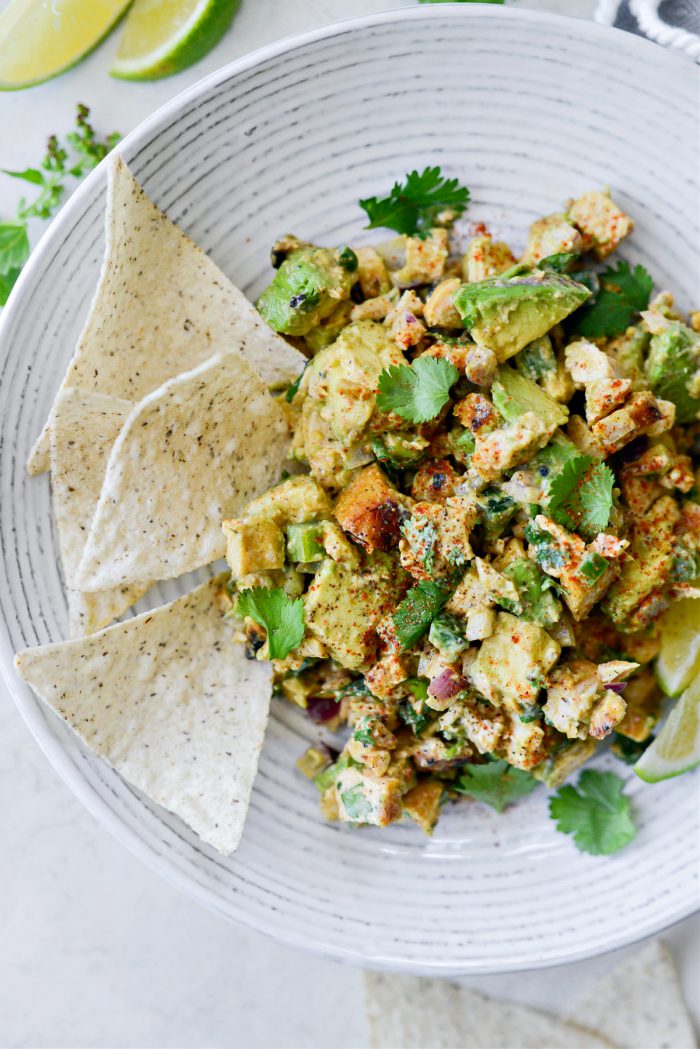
[673, 369]
[399, 449]
[294, 500]
[649, 566]
[538, 603]
[253, 546]
[328, 329]
[514, 394]
[537, 360]
[495, 511]
[344, 606]
[447, 636]
[306, 288]
[462, 444]
[512, 664]
[305, 541]
[506, 313]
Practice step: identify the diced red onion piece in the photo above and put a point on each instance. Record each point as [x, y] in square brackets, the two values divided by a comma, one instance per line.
[322, 709]
[617, 686]
[446, 684]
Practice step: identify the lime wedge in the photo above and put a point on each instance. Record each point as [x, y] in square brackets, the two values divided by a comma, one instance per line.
[678, 661]
[41, 38]
[162, 37]
[676, 749]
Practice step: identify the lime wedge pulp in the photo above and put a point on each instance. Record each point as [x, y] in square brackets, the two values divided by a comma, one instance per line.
[41, 38]
[162, 37]
[678, 661]
[676, 749]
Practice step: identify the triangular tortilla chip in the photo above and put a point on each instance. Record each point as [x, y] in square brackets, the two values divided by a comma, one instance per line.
[191, 453]
[410, 1012]
[171, 702]
[639, 1004]
[84, 426]
[161, 308]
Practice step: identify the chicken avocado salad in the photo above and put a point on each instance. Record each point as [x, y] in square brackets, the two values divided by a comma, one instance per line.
[494, 503]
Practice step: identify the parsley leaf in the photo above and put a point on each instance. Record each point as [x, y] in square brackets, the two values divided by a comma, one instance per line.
[14, 246]
[282, 617]
[419, 391]
[595, 812]
[83, 152]
[496, 783]
[580, 497]
[415, 206]
[623, 293]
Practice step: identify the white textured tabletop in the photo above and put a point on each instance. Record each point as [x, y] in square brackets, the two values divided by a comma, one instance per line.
[95, 950]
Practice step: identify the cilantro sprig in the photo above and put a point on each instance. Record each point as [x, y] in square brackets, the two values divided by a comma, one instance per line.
[415, 205]
[496, 783]
[82, 152]
[580, 497]
[624, 292]
[281, 616]
[419, 391]
[595, 812]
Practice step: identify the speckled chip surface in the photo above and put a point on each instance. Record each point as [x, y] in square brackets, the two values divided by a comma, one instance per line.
[171, 702]
[84, 426]
[161, 307]
[415, 1013]
[191, 453]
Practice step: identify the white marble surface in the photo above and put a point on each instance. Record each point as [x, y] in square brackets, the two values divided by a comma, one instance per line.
[95, 950]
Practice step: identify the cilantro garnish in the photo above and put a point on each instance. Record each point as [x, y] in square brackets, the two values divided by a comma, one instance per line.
[83, 152]
[419, 391]
[595, 812]
[623, 293]
[496, 783]
[580, 497]
[363, 732]
[414, 206]
[417, 610]
[282, 617]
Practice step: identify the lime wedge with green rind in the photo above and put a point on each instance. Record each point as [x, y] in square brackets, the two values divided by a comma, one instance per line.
[678, 661]
[162, 37]
[39, 40]
[676, 749]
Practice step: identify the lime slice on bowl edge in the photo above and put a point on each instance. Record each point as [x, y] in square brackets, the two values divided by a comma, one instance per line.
[676, 749]
[39, 40]
[678, 661]
[162, 37]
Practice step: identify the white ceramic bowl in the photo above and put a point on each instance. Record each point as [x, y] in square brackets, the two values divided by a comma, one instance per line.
[527, 109]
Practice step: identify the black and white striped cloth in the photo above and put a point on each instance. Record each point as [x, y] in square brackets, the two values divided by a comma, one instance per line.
[673, 23]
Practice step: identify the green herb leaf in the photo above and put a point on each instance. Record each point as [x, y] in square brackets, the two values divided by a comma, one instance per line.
[32, 175]
[14, 246]
[363, 732]
[580, 497]
[496, 783]
[417, 392]
[415, 205]
[595, 812]
[356, 804]
[7, 283]
[623, 293]
[417, 611]
[282, 617]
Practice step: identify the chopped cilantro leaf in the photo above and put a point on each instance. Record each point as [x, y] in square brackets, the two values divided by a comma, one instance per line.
[363, 732]
[282, 617]
[417, 392]
[595, 812]
[417, 611]
[623, 293]
[580, 497]
[415, 205]
[496, 783]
